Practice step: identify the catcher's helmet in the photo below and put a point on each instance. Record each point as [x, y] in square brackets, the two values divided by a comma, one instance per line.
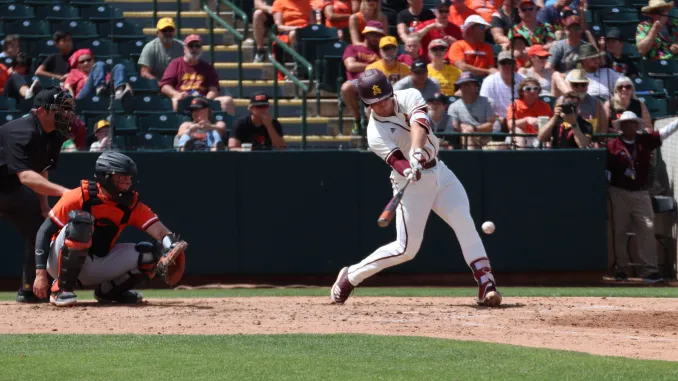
[373, 86]
[114, 163]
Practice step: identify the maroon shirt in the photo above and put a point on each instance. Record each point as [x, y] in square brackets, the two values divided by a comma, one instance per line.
[619, 155]
[184, 77]
[362, 54]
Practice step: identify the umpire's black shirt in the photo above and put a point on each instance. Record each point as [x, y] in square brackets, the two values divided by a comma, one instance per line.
[24, 145]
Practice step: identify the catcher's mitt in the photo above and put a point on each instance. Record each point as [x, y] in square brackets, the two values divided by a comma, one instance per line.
[171, 264]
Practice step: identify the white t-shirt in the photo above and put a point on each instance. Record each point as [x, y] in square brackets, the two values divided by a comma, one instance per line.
[499, 94]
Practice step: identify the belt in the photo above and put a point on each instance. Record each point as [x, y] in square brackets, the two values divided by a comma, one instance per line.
[430, 164]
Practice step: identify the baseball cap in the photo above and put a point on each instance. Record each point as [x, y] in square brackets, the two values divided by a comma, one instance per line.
[525, 2]
[572, 20]
[504, 55]
[577, 76]
[374, 27]
[438, 97]
[50, 96]
[464, 77]
[388, 41]
[443, 3]
[538, 50]
[198, 104]
[419, 66]
[166, 22]
[474, 19]
[614, 34]
[103, 123]
[438, 42]
[259, 99]
[192, 38]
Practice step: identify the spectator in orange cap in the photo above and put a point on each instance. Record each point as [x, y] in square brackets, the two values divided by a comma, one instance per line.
[370, 10]
[438, 28]
[536, 68]
[527, 109]
[289, 15]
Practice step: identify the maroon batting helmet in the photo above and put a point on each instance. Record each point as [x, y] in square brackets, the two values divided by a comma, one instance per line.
[373, 86]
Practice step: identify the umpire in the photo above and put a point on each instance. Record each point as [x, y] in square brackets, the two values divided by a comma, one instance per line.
[29, 147]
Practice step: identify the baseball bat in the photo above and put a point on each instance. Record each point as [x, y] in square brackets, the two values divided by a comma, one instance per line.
[390, 209]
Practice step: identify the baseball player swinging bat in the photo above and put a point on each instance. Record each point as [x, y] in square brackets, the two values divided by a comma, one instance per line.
[390, 209]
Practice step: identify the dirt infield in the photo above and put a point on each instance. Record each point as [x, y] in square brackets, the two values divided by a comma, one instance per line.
[644, 328]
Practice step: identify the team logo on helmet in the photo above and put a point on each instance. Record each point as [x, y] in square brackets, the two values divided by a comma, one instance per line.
[376, 90]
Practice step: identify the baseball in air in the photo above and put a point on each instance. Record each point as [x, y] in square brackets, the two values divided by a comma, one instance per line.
[488, 227]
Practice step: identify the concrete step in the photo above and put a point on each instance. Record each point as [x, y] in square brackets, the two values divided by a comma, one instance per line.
[189, 19]
[221, 35]
[147, 5]
[286, 89]
[292, 108]
[317, 126]
[319, 142]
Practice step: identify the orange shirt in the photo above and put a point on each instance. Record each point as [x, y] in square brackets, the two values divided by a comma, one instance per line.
[141, 216]
[478, 55]
[339, 7]
[457, 18]
[294, 13]
[485, 8]
[540, 108]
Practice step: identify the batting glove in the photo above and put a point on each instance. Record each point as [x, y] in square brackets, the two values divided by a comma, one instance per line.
[412, 174]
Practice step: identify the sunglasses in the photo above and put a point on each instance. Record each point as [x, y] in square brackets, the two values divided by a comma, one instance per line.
[531, 88]
[389, 48]
[194, 46]
[580, 84]
[505, 62]
[527, 9]
[543, 58]
[261, 106]
[86, 60]
[438, 49]
[447, 10]
[624, 87]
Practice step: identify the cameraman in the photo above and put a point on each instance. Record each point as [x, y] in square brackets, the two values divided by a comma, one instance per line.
[567, 128]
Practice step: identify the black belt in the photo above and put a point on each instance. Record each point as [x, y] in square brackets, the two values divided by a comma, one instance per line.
[430, 164]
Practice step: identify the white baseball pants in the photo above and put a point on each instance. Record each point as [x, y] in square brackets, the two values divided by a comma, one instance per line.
[438, 190]
[97, 270]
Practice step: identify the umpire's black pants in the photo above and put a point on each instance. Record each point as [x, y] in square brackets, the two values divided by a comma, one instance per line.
[22, 209]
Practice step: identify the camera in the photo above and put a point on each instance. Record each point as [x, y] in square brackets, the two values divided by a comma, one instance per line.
[568, 108]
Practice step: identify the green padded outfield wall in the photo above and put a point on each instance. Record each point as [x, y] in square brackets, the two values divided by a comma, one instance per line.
[314, 212]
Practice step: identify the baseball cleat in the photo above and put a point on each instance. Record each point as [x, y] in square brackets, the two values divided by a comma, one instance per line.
[342, 288]
[125, 297]
[488, 295]
[29, 297]
[63, 298]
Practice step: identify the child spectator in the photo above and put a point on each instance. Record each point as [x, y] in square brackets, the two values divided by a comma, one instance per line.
[102, 132]
[16, 86]
[412, 48]
[12, 48]
[56, 65]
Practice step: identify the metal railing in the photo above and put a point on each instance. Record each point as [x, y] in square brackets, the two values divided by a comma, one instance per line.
[305, 89]
[597, 137]
[177, 17]
[239, 37]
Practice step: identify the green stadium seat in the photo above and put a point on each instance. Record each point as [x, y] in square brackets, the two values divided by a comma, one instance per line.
[631, 51]
[308, 38]
[79, 30]
[57, 12]
[46, 82]
[164, 123]
[329, 68]
[42, 48]
[618, 15]
[223, 116]
[606, 4]
[150, 104]
[548, 99]
[659, 68]
[121, 31]
[87, 3]
[152, 140]
[122, 124]
[130, 67]
[8, 116]
[97, 105]
[590, 18]
[40, 3]
[101, 13]
[657, 107]
[29, 29]
[101, 48]
[628, 31]
[132, 49]
[649, 86]
[142, 85]
[14, 11]
[7, 104]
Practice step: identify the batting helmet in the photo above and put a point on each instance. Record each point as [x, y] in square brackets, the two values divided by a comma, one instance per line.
[373, 86]
[114, 163]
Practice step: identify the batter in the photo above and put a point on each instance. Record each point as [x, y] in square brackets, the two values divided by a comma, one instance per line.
[399, 132]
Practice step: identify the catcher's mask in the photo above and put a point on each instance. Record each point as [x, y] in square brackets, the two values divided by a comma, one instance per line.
[115, 163]
[63, 105]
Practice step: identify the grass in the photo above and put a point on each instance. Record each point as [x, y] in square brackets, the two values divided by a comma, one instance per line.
[635, 292]
[303, 357]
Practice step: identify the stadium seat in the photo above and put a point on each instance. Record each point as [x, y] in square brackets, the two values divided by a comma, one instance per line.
[130, 67]
[29, 29]
[79, 30]
[97, 105]
[657, 107]
[163, 123]
[330, 72]
[649, 86]
[223, 116]
[659, 68]
[142, 85]
[548, 99]
[8, 116]
[56, 13]
[150, 104]
[100, 13]
[309, 37]
[606, 4]
[122, 124]
[14, 11]
[631, 51]
[7, 104]
[152, 140]
[618, 15]
[87, 3]
[590, 18]
[121, 31]
[46, 82]
[628, 31]
[42, 48]
[132, 49]
[101, 48]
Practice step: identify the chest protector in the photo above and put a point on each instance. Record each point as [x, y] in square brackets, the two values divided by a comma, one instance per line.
[105, 230]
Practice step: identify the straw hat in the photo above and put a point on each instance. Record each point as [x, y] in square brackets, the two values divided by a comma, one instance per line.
[654, 5]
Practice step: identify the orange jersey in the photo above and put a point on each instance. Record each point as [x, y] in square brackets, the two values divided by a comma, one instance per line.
[522, 110]
[110, 219]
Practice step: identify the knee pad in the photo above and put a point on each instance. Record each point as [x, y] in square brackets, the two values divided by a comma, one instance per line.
[125, 282]
[77, 240]
[149, 254]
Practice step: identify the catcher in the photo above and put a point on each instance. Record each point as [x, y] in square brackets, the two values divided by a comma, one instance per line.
[77, 242]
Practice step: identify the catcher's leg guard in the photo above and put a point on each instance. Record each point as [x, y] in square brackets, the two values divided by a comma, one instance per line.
[487, 288]
[77, 240]
[120, 290]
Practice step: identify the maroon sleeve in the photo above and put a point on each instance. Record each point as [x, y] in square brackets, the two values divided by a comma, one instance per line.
[398, 162]
[349, 52]
[655, 140]
[171, 74]
[454, 31]
[211, 77]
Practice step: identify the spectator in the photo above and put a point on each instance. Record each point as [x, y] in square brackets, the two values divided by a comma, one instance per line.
[370, 10]
[459, 12]
[289, 15]
[590, 108]
[262, 21]
[88, 78]
[12, 48]
[600, 79]
[472, 112]
[419, 80]
[563, 52]
[388, 50]
[657, 38]
[628, 165]
[16, 86]
[102, 133]
[412, 48]
[567, 128]
[497, 87]
[441, 121]
[624, 99]
[522, 117]
[157, 54]
[553, 15]
[356, 59]
[190, 76]
[446, 75]
[337, 13]
[56, 65]
[501, 22]
[410, 18]
[520, 51]
[258, 128]
[615, 59]
[532, 30]
[201, 133]
[473, 53]
[391, 9]
[536, 68]
[438, 28]
[484, 8]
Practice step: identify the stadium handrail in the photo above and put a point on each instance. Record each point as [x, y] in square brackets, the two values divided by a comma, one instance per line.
[177, 20]
[509, 135]
[239, 37]
[305, 89]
